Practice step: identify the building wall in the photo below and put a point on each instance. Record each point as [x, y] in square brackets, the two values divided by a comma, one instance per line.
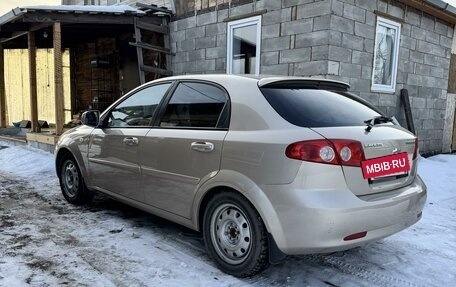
[326, 38]
[423, 69]
[96, 85]
[18, 85]
[333, 39]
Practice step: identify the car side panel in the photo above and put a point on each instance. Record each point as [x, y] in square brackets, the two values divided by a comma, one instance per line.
[230, 179]
[172, 169]
[114, 160]
[76, 141]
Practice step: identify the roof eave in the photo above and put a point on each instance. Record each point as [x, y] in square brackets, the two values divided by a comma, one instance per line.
[436, 8]
[12, 15]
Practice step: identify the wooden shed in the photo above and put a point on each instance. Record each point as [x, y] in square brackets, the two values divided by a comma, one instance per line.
[112, 49]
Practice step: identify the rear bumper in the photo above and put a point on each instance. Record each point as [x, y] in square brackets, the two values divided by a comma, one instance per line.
[318, 220]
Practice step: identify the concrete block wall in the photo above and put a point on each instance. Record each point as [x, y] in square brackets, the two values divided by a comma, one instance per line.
[423, 67]
[289, 36]
[199, 43]
[334, 39]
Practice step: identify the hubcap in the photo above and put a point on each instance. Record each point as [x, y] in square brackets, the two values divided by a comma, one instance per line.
[231, 234]
[71, 179]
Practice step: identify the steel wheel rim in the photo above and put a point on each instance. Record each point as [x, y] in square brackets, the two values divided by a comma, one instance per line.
[71, 179]
[231, 233]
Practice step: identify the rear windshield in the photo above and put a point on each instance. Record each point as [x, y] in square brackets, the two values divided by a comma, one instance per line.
[318, 108]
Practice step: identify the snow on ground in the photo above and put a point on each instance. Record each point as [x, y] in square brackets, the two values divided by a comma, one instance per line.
[46, 242]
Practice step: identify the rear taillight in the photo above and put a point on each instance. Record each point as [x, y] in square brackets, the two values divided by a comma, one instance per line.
[330, 151]
[415, 152]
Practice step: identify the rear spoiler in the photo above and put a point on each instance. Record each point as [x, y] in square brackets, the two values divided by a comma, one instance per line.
[303, 83]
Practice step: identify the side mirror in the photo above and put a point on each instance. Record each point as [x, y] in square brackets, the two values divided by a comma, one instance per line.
[91, 118]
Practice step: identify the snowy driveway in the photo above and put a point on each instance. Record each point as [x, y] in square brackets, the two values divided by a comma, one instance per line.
[46, 242]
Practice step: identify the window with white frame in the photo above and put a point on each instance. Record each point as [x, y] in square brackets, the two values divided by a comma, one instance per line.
[243, 46]
[386, 54]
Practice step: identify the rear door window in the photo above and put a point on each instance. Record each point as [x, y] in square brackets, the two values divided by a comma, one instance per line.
[196, 105]
[318, 108]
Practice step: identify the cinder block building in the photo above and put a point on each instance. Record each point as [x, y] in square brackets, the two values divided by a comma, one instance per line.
[379, 47]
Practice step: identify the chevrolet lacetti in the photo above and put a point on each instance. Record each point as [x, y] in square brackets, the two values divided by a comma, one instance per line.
[263, 166]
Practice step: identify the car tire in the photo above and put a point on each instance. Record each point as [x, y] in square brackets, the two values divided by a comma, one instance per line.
[72, 183]
[235, 235]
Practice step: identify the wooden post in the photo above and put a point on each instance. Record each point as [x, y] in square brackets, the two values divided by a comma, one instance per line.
[58, 79]
[408, 110]
[33, 87]
[139, 52]
[2, 89]
[166, 39]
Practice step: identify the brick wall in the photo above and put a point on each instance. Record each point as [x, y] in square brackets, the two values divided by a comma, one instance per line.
[333, 39]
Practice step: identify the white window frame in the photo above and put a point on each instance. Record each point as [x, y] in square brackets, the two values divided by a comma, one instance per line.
[256, 20]
[391, 25]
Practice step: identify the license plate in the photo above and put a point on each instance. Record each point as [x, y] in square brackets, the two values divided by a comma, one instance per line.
[385, 165]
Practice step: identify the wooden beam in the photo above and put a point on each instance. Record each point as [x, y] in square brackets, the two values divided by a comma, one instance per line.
[452, 76]
[85, 18]
[33, 86]
[58, 79]
[8, 36]
[14, 36]
[151, 47]
[152, 27]
[166, 43]
[154, 8]
[2, 89]
[156, 70]
[139, 53]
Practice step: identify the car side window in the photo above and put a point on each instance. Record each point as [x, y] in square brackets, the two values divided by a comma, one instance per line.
[196, 105]
[138, 109]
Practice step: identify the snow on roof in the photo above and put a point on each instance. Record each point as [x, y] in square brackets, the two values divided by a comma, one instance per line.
[120, 9]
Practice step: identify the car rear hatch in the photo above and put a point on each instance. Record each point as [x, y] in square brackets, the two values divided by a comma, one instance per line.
[346, 121]
[381, 141]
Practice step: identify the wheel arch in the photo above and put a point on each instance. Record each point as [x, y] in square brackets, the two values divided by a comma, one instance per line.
[205, 200]
[234, 181]
[64, 152]
[59, 156]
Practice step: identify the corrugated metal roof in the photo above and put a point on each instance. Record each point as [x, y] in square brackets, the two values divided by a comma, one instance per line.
[76, 9]
[118, 9]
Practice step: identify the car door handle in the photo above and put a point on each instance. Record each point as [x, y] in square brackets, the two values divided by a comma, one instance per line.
[130, 141]
[202, 146]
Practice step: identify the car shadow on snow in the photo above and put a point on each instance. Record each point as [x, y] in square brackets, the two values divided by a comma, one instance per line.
[141, 219]
[314, 270]
[361, 266]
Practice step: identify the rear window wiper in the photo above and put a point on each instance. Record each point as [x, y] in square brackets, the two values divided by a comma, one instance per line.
[375, 121]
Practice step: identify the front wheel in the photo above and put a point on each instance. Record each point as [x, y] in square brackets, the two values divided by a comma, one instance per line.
[72, 184]
[235, 235]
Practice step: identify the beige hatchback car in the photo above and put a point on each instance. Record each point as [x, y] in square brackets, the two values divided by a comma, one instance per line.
[263, 166]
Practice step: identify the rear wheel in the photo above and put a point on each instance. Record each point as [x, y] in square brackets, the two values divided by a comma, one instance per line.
[235, 235]
[72, 184]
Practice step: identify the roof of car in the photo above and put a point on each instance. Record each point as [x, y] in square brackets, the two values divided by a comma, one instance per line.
[264, 81]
